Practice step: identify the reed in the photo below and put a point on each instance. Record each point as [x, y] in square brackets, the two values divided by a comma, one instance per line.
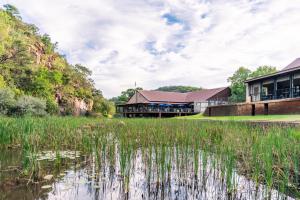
[269, 155]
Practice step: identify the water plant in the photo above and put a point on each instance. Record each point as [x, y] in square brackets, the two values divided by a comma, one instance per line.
[267, 155]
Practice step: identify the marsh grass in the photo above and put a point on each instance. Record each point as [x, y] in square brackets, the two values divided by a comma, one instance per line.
[268, 155]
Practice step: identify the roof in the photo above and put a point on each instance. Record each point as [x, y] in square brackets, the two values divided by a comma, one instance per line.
[152, 96]
[160, 96]
[203, 95]
[295, 65]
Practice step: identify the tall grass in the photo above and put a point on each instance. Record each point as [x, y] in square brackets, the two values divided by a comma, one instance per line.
[269, 155]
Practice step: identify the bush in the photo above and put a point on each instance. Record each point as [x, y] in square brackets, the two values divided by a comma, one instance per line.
[7, 100]
[105, 107]
[32, 106]
[52, 107]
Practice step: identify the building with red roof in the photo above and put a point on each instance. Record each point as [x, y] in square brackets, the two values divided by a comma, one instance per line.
[151, 103]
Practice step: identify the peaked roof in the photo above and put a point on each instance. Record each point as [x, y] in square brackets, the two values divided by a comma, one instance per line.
[176, 97]
[295, 65]
[158, 96]
[203, 95]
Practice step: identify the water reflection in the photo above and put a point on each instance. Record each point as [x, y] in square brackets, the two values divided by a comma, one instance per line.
[169, 173]
[103, 180]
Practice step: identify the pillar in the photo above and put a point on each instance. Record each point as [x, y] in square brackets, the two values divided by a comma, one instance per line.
[275, 89]
[291, 85]
[248, 97]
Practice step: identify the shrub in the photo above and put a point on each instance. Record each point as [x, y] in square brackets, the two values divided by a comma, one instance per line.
[105, 107]
[7, 100]
[28, 105]
[52, 107]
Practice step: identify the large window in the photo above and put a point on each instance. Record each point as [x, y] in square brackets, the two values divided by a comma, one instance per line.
[296, 85]
[268, 90]
[255, 92]
[283, 87]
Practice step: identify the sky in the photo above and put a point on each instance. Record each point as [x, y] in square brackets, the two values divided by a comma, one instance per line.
[157, 43]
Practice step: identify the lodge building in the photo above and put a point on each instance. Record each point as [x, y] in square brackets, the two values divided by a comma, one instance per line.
[147, 103]
[277, 93]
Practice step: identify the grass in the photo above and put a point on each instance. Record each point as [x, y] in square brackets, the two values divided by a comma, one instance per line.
[272, 118]
[267, 155]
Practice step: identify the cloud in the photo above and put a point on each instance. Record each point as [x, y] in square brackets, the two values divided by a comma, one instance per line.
[168, 42]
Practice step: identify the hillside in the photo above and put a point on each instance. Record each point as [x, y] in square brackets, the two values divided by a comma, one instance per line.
[31, 66]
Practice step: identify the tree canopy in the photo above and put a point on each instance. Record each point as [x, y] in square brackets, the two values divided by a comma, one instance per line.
[125, 95]
[179, 88]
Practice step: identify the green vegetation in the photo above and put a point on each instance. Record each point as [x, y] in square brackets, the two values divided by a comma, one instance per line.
[125, 95]
[267, 155]
[283, 118]
[179, 88]
[237, 81]
[31, 66]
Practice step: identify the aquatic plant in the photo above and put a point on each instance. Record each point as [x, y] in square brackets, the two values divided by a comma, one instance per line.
[268, 155]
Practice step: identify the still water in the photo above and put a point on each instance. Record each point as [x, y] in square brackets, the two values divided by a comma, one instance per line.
[89, 177]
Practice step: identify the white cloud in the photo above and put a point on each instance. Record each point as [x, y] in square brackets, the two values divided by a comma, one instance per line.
[128, 41]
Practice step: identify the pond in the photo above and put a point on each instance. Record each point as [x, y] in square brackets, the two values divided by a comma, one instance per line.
[152, 173]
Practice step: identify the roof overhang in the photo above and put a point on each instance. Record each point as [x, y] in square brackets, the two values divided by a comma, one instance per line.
[282, 72]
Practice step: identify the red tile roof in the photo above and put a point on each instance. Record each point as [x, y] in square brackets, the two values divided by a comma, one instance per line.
[153, 96]
[159, 96]
[203, 95]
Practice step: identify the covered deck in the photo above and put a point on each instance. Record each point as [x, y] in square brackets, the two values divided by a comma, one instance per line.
[155, 110]
[284, 84]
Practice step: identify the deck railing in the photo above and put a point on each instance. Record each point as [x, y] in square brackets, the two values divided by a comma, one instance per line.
[157, 110]
[154, 109]
[280, 94]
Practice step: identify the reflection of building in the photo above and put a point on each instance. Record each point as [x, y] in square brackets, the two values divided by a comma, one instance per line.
[277, 93]
[157, 103]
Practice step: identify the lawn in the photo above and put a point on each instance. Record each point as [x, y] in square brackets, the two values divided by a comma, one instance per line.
[285, 118]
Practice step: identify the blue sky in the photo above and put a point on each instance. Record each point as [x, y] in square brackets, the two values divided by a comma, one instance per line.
[168, 42]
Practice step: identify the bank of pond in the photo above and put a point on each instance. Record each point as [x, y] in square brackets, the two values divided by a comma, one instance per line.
[88, 158]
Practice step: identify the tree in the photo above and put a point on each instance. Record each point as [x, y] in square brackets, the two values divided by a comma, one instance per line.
[179, 88]
[125, 95]
[83, 70]
[263, 70]
[237, 80]
[12, 10]
[104, 106]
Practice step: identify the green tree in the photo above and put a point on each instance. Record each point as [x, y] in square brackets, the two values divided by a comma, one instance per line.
[237, 84]
[263, 70]
[237, 81]
[2, 82]
[179, 88]
[12, 10]
[125, 95]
